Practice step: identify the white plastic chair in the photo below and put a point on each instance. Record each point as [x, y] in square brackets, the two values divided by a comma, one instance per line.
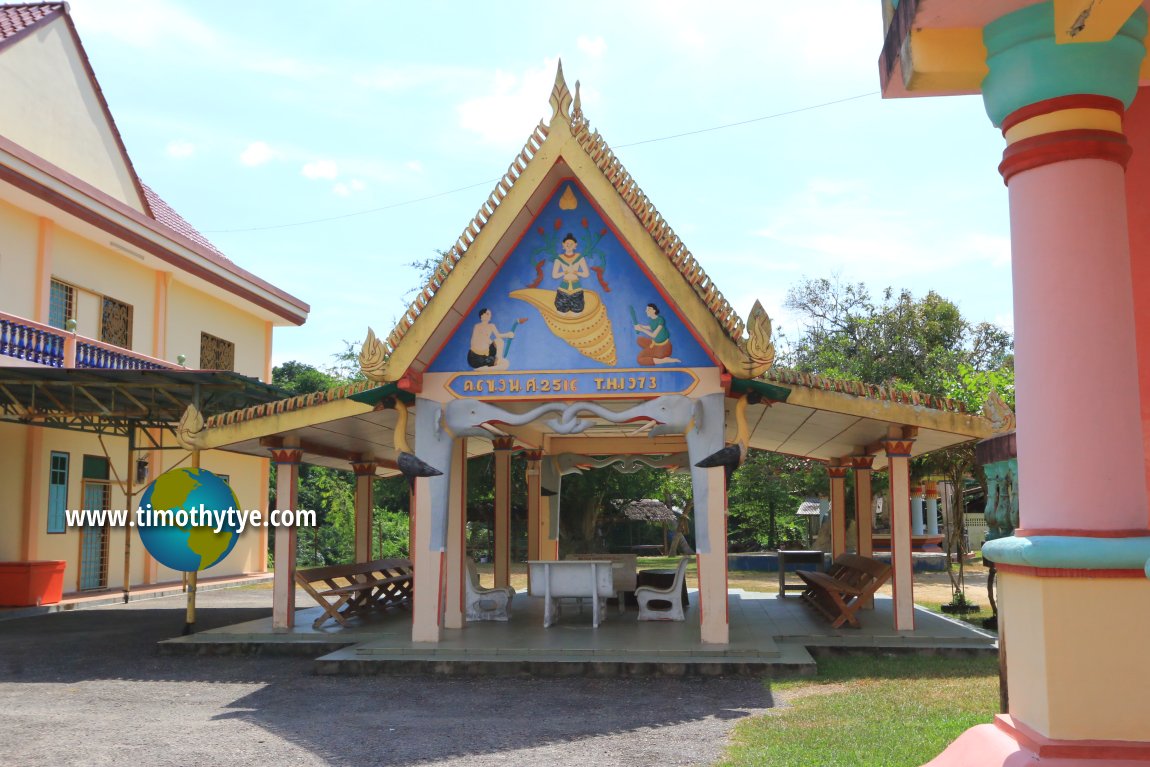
[483, 604]
[645, 595]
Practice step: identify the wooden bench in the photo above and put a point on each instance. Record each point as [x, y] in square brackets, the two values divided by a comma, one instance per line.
[843, 589]
[346, 590]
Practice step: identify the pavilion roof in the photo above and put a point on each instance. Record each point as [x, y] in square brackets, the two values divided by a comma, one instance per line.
[568, 110]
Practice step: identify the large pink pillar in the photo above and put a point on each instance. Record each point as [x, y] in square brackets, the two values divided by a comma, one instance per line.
[1074, 309]
[1137, 126]
[1072, 590]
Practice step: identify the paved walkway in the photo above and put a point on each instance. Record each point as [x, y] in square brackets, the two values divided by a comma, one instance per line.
[88, 688]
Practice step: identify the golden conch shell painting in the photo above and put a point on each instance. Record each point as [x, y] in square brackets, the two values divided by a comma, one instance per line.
[588, 332]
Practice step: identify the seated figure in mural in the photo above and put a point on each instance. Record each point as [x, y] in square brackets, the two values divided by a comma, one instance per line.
[655, 349]
[487, 344]
[569, 268]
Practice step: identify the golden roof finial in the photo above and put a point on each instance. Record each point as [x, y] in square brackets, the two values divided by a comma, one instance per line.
[577, 108]
[560, 97]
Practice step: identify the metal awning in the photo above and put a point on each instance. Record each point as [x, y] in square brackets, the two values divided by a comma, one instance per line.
[113, 401]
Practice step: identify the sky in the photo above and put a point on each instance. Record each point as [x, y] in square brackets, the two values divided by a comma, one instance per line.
[328, 146]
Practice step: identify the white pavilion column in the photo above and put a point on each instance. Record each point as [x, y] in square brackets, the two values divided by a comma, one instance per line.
[502, 533]
[283, 579]
[902, 561]
[838, 477]
[932, 508]
[427, 603]
[917, 526]
[453, 611]
[364, 508]
[864, 517]
[710, 492]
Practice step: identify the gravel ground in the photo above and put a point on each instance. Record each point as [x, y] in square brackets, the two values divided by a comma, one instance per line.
[87, 688]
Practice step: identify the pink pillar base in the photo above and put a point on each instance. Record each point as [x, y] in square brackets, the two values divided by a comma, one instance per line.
[1008, 743]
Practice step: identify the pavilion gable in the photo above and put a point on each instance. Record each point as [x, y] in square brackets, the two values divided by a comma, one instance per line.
[565, 163]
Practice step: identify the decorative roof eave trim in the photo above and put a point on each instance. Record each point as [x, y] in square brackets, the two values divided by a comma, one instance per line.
[55, 186]
[291, 413]
[879, 403]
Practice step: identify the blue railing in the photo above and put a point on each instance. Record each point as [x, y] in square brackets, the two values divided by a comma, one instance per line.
[40, 344]
[91, 355]
[31, 342]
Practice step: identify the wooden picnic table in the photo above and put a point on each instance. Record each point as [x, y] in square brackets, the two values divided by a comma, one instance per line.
[346, 590]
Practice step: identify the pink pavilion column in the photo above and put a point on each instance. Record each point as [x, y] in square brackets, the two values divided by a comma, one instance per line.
[864, 517]
[838, 482]
[901, 559]
[502, 532]
[283, 579]
[364, 508]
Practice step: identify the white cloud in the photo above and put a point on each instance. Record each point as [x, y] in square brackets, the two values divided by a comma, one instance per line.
[351, 187]
[143, 24]
[257, 153]
[317, 169]
[180, 149]
[415, 166]
[512, 105]
[594, 47]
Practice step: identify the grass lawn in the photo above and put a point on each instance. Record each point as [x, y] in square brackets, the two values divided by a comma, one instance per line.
[884, 711]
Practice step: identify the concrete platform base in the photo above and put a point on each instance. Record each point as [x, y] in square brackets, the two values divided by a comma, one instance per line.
[769, 636]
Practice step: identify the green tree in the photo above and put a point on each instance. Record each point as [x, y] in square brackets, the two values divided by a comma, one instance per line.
[903, 342]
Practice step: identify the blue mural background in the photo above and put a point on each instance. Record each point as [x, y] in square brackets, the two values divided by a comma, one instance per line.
[625, 296]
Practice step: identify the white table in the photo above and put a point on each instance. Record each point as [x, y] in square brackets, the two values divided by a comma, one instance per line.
[584, 578]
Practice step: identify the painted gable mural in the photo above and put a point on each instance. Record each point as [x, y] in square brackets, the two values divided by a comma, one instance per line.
[571, 299]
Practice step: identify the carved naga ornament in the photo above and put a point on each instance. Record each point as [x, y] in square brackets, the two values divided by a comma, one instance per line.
[191, 428]
[999, 414]
[758, 348]
[373, 358]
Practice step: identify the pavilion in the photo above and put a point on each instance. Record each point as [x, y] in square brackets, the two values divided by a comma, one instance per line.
[569, 321]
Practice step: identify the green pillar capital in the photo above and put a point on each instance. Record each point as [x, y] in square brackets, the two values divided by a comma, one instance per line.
[1027, 66]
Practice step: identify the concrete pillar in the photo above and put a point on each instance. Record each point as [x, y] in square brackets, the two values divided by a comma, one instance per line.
[931, 508]
[502, 533]
[453, 611]
[902, 561]
[283, 580]
[838, 481]
[917, 520]
[364, 508]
